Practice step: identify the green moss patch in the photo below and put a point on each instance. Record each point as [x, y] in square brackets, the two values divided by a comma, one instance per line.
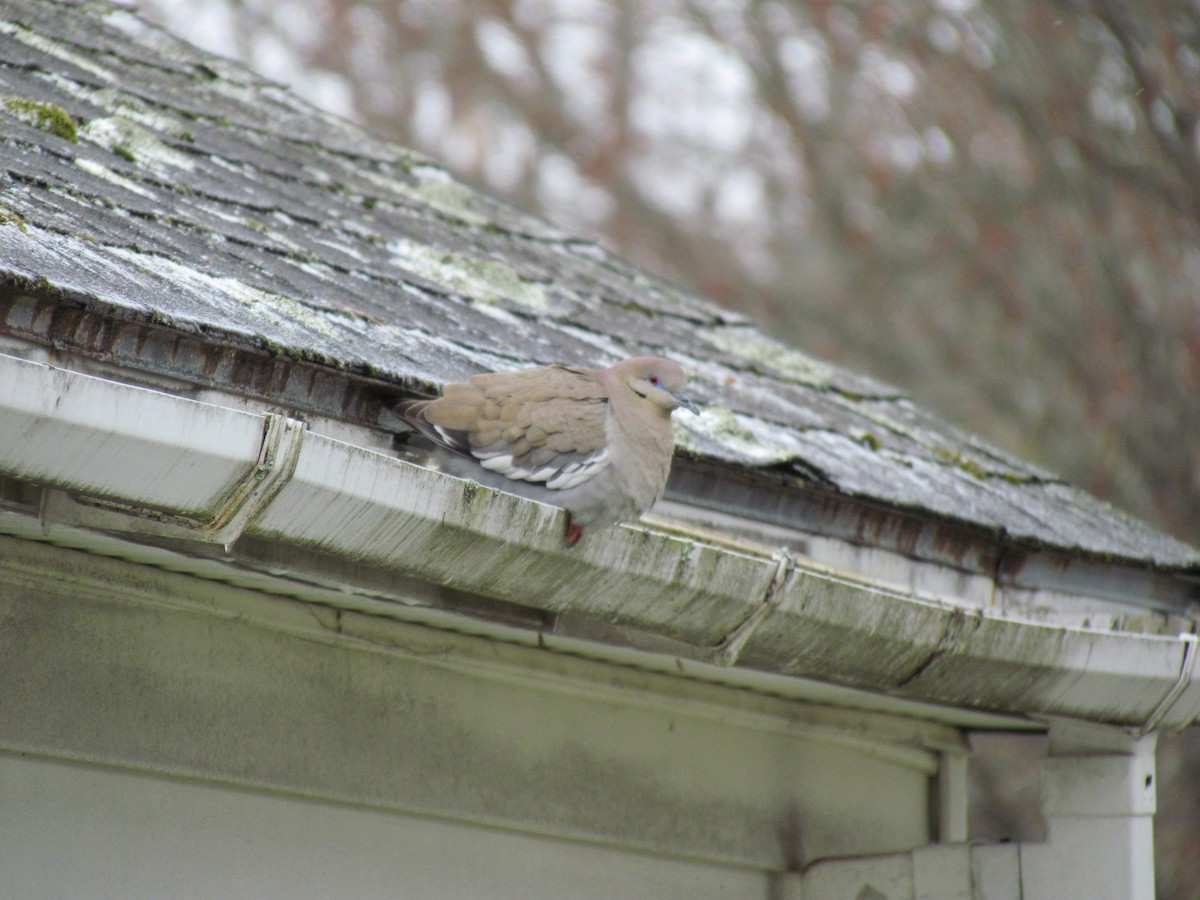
[45, 116]
[8, 217]
[970, 466]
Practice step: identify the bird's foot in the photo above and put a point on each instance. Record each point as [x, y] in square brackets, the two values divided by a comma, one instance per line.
[574, 533]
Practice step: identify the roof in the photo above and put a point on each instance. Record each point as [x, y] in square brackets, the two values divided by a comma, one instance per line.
[151, 184]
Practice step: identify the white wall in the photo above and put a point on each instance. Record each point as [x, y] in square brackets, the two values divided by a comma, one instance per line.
[79, 831]
[132, 667]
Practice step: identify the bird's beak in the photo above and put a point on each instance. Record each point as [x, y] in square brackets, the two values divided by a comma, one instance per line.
[687, 403]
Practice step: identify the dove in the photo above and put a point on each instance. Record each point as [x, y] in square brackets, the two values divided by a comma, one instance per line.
[595, 442]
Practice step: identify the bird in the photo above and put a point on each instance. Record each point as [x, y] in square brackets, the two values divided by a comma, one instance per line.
[595, 442]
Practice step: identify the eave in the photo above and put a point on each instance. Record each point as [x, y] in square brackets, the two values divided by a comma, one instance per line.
[221, 488]
[771, 505]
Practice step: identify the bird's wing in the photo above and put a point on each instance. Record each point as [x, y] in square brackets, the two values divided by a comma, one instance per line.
[545, 425]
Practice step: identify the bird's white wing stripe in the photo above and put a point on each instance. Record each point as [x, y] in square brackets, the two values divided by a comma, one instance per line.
[578, 472]
[500, 462]
[569, 476]
[449, 438]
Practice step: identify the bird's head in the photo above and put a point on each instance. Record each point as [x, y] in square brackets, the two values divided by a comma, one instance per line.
[659, 381]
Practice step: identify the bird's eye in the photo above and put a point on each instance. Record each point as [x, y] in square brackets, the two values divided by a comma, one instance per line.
[654, 380]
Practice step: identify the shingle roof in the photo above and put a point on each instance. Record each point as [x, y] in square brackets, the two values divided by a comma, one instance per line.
[145, 183]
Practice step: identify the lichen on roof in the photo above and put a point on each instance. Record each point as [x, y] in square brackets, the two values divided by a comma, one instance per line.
[485, 280]
[770, 355]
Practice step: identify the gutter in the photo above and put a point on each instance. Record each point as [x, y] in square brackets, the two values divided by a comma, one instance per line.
[117, 458]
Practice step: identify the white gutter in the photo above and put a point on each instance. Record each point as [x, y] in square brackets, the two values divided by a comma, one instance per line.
[124, 458]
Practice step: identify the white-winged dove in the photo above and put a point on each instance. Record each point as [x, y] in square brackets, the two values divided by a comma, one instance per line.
[596, 442]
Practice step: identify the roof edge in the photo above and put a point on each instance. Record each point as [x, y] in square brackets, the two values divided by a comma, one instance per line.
[311, 386]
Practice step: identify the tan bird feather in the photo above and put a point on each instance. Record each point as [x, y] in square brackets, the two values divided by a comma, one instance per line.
[596, 442]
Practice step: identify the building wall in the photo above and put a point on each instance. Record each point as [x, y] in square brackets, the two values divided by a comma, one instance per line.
[389, 749]
[71, 830]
